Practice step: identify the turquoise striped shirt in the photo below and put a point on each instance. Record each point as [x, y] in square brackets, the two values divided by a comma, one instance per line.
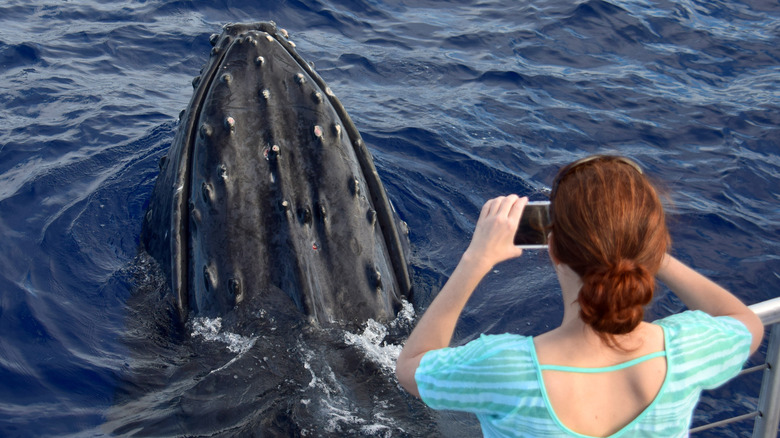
[497, 377]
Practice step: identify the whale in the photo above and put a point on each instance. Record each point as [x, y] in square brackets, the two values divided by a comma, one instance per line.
[269, 194]
[271, 290]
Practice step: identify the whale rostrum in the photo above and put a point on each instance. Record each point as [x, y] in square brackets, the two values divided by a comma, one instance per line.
[269, 189]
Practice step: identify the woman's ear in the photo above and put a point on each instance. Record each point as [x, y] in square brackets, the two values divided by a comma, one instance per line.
[550, 248]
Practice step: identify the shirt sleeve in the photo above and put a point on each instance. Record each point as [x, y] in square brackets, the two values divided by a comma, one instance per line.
[485, 376]
[706, 351]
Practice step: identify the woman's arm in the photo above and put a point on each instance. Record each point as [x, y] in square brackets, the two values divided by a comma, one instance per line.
[700, 293]
[492, 243]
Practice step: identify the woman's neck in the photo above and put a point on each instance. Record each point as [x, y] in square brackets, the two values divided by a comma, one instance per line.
[570, 284]
[573, 327]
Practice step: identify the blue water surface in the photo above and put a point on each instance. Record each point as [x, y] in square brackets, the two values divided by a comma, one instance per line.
[458, 102]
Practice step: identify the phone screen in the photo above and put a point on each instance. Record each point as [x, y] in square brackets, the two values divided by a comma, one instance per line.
[532, 229]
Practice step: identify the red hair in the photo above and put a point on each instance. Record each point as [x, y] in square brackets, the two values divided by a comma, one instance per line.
[608, 226]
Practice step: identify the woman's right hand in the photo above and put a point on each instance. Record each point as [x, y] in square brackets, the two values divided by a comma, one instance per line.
[493, 239]
[493, 242]
[698, 292]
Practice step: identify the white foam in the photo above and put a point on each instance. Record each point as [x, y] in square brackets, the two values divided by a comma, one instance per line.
[210, 330]
[405, 316]
[375, 430]
[371, 341]
[338, 416]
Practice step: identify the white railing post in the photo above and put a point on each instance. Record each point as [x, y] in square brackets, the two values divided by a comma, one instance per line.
[769, 398]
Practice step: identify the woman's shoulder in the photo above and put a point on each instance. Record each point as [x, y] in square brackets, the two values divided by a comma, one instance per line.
[486, 347]
[490, 344]
[507, 341]
[703, 350]
[694, 330]
[696, 320]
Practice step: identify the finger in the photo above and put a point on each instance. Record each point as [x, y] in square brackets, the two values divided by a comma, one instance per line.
[484, 210]
[507, 203]
[491, 206]
[517, 209]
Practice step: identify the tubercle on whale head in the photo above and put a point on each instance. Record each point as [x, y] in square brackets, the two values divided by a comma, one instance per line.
[248, 40]
[234, 288]
[208, 278]
[206, 130]
[207, 190]
[230, 124]
[272, 153]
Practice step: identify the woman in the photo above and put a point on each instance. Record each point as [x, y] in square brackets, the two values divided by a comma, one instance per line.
[603, 371]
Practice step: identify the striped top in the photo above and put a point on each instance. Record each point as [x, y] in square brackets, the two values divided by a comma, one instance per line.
[498, 378]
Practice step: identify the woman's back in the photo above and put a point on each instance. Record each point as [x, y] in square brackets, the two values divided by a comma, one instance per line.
[603, 402]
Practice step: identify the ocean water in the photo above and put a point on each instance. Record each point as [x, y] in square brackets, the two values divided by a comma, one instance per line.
[457, 101]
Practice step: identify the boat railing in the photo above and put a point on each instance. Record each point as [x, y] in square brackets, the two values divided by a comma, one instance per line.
[767, 414]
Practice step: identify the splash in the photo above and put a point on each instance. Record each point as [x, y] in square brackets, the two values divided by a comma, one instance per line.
[210, 328]
[372, 340]
[405, 317]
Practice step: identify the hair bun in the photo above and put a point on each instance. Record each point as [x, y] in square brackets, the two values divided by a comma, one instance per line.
[613, 297]
[625, 267]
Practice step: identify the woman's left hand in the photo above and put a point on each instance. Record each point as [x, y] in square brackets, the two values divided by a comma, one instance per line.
[493, 240]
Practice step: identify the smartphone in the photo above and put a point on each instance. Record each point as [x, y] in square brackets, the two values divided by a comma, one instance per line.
[532, 230]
